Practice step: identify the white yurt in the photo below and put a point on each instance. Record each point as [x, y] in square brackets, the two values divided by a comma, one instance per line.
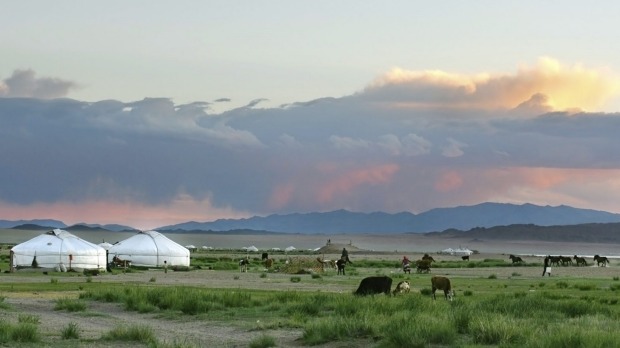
[151, 249]
[105, 245]
[59, 250]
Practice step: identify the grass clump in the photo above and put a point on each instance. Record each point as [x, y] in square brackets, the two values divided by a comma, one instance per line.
[70, 305]
[71, 331]
[263, 341]
[295, 279]
[134, 333]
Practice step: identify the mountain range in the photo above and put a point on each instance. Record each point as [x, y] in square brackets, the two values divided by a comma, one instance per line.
[435, 220]
[463, 218]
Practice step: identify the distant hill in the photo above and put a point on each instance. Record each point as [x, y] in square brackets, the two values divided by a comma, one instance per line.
[40, 222]
[581, 233]
[108, 227]
[435, 220]
[32, 227]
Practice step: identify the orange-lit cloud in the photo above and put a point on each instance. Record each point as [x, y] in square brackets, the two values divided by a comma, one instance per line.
[134, 214]
[564, 87]
[346, 182]
[449, 181]
[281, 195]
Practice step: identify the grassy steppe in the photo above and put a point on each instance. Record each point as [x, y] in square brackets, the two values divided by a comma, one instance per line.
[515, 309]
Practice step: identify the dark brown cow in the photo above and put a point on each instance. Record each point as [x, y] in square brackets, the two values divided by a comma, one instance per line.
[442, 283]
[465, 258]
[375, 285]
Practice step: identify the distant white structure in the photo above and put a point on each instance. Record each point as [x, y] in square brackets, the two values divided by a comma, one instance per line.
[191, 247]
[105, 245]
[457, 252]
[291, 248]
[250, 248]
[204, 247]
[275, 249]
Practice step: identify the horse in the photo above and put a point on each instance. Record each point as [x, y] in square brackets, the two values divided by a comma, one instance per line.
[580, 261]
[515, 259]
[601, 259]
[118, 262]
[427, 257]
[341, 264]
[423, 266]
[243, 264]
[566, 261]
[465, 258]
[554, 260]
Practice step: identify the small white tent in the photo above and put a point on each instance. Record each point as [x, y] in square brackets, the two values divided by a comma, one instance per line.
[59, 249]
[150, 248]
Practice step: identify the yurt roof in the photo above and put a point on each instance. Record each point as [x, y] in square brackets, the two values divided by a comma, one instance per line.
[58, 240]
[149, 243]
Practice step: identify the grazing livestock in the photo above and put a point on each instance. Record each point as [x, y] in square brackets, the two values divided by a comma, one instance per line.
[402, 288]
[601, 260]
[465, 258]
[442, 283]
[243, 264]
[554, 260]
[341, 264]
[375, 285]
[264, 257]
[268, 263]
[580, 261]
[566, 261]
[515, 259]
[118, 262]
[423, 266]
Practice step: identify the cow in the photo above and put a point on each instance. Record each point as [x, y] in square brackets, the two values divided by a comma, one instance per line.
[374, 285]
[442, 283]
[580, 261]
[402, 288]
[423, 266]
[465, 257]
[268, 263]
[601, 260]
[341, 264]
[243, 264]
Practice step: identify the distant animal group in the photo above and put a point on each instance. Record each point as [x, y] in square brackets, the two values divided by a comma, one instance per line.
[383, 285]
[601, 261]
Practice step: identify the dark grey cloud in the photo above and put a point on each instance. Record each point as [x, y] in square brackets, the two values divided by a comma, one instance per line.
[25, 84]
[326, 154]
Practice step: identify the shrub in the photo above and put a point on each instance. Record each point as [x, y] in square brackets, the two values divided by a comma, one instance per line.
[135, 333]
[295, 279]
[28, 318]
[263, 275]
[492, 276]
[316, 276]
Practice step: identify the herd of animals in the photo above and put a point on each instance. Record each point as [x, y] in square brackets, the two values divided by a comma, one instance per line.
[383, 284]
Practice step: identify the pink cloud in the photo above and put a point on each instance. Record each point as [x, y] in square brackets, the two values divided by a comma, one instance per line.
[135, 214]
[345, 183]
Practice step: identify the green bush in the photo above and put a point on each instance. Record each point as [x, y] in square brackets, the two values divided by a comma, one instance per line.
[70, 305]
[263, 341]
[71, 331]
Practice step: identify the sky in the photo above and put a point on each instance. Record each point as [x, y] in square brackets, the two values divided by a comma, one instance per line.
[151, 113]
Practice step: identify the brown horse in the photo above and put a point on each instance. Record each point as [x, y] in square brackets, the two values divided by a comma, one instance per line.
[516, 259]
[601, 260]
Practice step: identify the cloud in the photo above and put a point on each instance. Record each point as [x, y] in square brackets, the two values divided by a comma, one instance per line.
[25, 84]
[408, 142]
[562, 87]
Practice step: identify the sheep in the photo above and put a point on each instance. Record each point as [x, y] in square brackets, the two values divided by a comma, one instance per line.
[442, 283]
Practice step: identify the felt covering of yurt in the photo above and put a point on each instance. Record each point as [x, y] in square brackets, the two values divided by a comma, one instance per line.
[150, 249]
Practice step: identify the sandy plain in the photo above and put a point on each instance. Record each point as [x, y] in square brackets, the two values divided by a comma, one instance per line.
[207, 333]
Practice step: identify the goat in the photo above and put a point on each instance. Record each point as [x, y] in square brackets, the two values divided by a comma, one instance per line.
[442, 283]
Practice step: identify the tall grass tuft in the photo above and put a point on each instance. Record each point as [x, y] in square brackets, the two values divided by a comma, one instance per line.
[71, 331]
[495, 329]
[28, 318]
[135, 333]
[263, 341]
[70, 305]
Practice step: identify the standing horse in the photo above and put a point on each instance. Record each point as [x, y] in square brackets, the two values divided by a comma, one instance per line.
[601, 259]
[580, 261]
